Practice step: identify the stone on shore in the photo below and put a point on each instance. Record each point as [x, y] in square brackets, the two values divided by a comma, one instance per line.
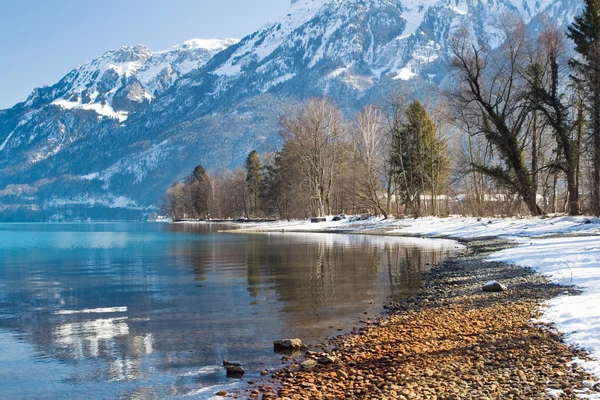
[308, 364]
[287, 344]
[326, 360]
[493, 286]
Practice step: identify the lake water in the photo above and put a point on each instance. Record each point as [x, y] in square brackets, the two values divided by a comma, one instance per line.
[142, 310]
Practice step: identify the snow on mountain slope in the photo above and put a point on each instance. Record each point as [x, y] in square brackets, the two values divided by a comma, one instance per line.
[121, 81]
[369, 40]
[107, 89]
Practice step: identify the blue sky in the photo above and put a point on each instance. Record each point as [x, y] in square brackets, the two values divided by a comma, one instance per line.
[42, 40]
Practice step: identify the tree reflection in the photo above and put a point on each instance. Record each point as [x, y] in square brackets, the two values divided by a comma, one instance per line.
[162, 309]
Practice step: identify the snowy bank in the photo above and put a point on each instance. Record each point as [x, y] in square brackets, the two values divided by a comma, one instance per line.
[571, 259]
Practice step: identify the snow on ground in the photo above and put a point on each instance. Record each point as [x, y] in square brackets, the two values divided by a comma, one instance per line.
[456, 227]
[573, 259]
[569, 261]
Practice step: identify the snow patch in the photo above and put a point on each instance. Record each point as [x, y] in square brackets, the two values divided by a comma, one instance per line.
[405, 74]
[414, 13]
[229, 70]
[103, 110]
[211, 45]
[567, 261]
[3, 145]
[458, 10]
[90, 177]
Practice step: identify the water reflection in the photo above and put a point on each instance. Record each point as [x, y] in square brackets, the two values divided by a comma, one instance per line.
[143, 310]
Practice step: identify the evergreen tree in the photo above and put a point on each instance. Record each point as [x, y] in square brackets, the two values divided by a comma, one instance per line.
[254, 182]
[585, 33]
[418, 158]
[198, 184]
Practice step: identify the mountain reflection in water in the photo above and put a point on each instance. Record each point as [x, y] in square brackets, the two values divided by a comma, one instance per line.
[150, 310]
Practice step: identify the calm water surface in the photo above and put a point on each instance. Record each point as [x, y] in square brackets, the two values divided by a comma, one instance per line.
[125, 310]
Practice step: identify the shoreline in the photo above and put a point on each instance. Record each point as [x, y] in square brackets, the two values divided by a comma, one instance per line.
[453, 299]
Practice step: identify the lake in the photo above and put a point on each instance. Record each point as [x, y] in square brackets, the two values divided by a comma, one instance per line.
[150, 310]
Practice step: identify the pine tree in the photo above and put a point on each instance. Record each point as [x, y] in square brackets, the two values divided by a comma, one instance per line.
[418, 157]
[585, 33]
[198, 184]
[254, 182]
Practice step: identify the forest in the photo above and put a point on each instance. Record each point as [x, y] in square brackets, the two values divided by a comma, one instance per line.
[517, 132]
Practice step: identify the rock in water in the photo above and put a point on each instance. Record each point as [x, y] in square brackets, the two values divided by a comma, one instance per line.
[234, 370]
[287, 344]
[494, 286]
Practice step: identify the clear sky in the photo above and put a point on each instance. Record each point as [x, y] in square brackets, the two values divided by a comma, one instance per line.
[42, 40]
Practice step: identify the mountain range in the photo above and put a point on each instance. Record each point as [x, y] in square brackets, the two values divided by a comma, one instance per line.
[110, 137]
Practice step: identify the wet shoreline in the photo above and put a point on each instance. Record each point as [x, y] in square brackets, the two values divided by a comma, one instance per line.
[450, 341]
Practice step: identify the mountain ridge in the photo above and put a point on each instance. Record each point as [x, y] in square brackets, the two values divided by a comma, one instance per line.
[65, 153]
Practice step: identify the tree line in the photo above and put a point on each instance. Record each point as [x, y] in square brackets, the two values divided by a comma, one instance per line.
[383, 161]
[517, 131]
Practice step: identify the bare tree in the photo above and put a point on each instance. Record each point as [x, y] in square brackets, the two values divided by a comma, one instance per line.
[177, 202]
[229, 194]
[548, 76]
[491, 91]
[313, 133]
[371, 140]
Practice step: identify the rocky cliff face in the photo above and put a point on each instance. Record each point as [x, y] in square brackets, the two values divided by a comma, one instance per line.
[114, 133]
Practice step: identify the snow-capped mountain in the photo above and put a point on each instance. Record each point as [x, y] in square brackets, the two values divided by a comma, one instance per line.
[368, 41]
[124, 80]
[117, 131]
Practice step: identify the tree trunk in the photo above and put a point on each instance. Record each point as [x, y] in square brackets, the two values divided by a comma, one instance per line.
[554, 200]
[525, 188]
[596, 155]
[573, 193]
[534, 153]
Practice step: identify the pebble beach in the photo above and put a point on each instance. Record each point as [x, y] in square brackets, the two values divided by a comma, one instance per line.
[451, 341]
